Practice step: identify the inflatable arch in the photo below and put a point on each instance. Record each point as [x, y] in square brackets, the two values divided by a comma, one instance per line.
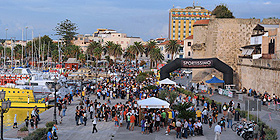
[198, 63]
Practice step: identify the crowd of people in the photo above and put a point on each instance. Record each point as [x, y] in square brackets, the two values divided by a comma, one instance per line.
[127, 113]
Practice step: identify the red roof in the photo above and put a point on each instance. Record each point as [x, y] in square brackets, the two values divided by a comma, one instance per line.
[201, 22]
[190, 37]
[160, 39]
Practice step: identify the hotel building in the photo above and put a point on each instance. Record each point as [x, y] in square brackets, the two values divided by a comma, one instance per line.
[181, 21]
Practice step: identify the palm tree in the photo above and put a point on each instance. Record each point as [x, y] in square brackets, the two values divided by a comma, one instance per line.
[151, 45]
[92, 46]
[156, 55]
[128, 55]
[137, 48]
[116, 51]
[97, 52]
[172, 47]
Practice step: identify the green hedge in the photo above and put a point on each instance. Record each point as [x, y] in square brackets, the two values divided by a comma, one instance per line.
[38, 134]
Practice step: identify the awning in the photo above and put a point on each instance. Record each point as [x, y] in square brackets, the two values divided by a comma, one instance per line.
[167, 82]
[153, 102]
[214, 80]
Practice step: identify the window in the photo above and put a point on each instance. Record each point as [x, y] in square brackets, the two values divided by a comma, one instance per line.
[181, 49]
[119, 35]
[173, 21]
[13, 91]
[173, 26]
[189, 43]
[199, 13]
[194, 13]
[168, 56]
[190, 31]
[181, 56]
[271, 46]
[189, 53]
[173, 12]
[81, 38]
[179, 13]
[189, 13]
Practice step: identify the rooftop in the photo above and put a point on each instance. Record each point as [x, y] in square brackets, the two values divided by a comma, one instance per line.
[190, 37]
[201, 22]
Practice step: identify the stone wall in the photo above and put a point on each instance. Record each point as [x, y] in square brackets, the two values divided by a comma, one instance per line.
[260, 74]
[223, 39]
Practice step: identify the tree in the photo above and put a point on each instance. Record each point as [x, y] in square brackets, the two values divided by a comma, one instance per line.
[128, 55]
[222, 11]
[156, 55]
[172, 47]
[137, 48]
[67, 30]
[116, 51]
[92, 46]
[151, 45]
[184, 113]
[82, 58]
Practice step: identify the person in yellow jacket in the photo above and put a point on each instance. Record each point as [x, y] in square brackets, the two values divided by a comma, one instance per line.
[198, 114]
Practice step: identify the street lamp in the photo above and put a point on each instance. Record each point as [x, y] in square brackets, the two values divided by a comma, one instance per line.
[4, 109]
[56, 87]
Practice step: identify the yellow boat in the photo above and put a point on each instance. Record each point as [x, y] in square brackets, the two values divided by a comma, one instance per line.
[22, 98]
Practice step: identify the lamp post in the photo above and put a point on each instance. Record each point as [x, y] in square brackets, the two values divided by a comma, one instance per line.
[4, 109]
[56, 87]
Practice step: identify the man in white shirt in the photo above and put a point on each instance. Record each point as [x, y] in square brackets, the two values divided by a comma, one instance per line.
[218, 131]
[199, 125]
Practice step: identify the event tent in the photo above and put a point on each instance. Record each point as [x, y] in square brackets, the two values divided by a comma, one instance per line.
[153, 102]
[167, 82]
[214, 80]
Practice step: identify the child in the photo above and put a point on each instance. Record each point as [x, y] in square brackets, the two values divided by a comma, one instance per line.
[210, 120]
[116, 121]
[26, 121]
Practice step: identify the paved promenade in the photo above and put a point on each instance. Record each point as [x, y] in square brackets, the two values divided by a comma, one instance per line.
[107, 131]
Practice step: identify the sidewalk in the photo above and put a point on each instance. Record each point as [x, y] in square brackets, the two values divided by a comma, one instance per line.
[107, 131]
[264, 114]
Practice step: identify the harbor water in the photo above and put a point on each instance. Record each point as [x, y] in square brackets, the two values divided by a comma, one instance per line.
[21, 116]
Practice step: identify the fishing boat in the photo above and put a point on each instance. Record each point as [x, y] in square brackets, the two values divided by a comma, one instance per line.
[22, 98]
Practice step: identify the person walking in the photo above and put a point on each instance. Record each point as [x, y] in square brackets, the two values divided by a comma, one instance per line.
[256, 131]
[229, 119]
[218, 131]
[94, 123]
[49, 134]
[132, 122]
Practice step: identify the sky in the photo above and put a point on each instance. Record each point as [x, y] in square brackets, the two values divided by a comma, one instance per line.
[147, 19]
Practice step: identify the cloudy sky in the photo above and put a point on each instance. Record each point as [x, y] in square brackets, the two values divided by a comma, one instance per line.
[142, 18]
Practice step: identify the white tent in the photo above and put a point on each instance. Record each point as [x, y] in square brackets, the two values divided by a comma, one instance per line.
[167, 82]
[153, 103]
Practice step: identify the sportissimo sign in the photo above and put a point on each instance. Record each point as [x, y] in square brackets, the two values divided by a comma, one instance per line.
[197, 63]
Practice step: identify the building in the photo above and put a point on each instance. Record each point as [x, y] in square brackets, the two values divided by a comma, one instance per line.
[259, 63]
[72, 64]
[121, 39]
[167, 56]
[188, 42]
[181, 21]
[104, 35]
[223, 38]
